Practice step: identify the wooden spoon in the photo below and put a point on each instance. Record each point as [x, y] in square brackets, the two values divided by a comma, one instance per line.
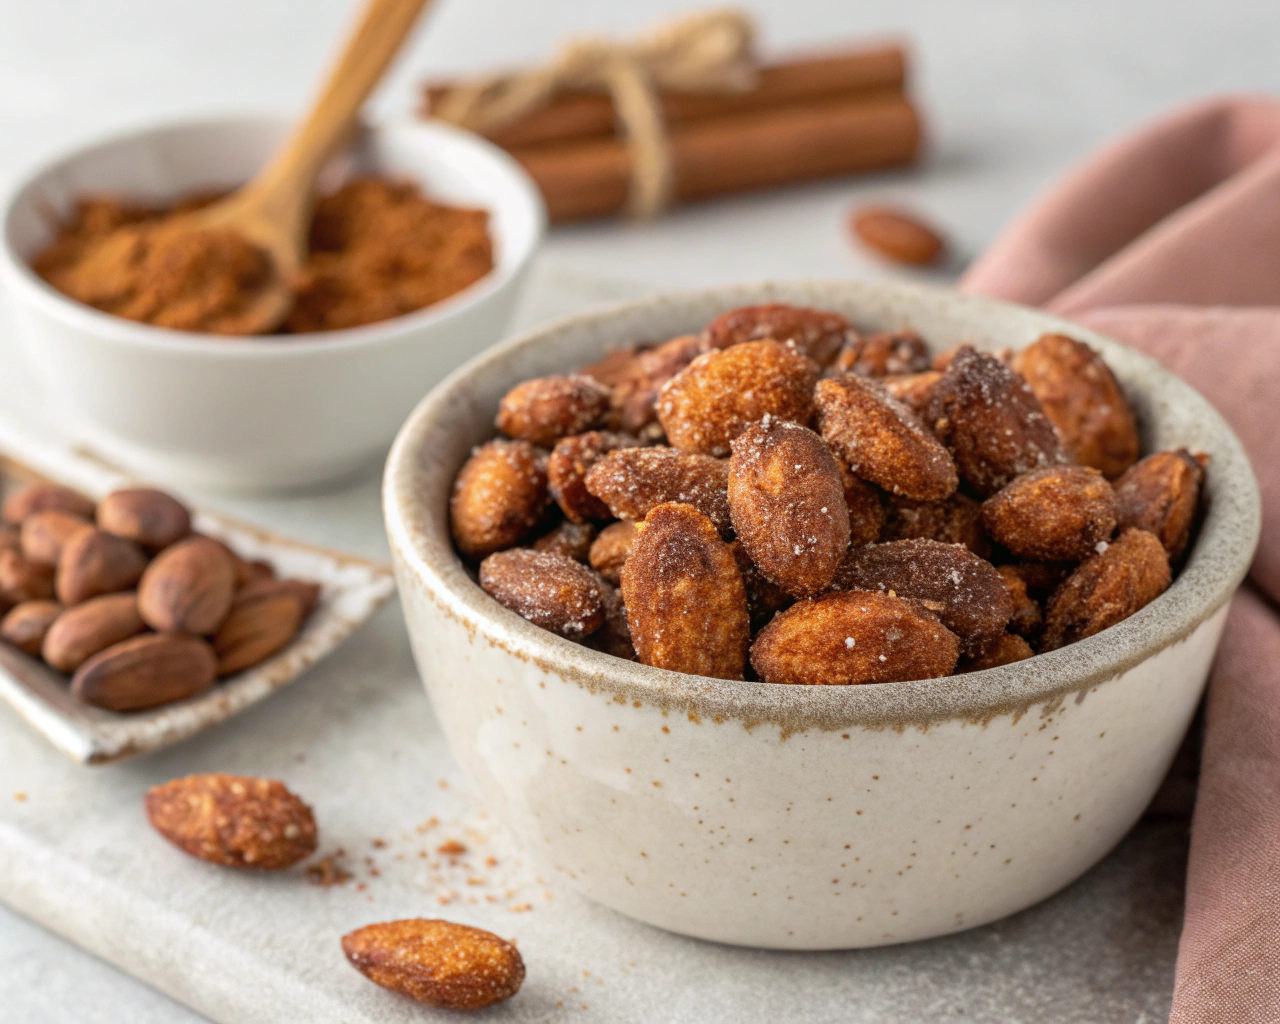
[273, 211]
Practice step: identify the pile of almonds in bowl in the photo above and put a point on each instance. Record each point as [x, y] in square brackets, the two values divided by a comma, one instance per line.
[782, 498]
[128, 601]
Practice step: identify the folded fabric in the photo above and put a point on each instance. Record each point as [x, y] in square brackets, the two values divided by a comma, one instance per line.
[1169, 240]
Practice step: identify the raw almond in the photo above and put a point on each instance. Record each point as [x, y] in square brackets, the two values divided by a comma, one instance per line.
[45, 533]
[234, 820]
[23, 580]
[26, 625]
[81, 632]
[262, 620]
[148, 517]
[897, 235]
[39, 497]
[188, 587]
[95, 562]
[439, 963]
[146, 671]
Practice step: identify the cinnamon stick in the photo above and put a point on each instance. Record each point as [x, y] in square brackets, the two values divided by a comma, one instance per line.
[579, 116]
[719, 155]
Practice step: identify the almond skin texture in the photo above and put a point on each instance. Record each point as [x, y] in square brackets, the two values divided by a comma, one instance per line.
[1108, 587]
[634, 402]
[1084, 401]
[614, 637]
[966, 593]
[550, 590]
[95, 562]
[149, 518]
[786, 499]
[22, 580]
[958, 520]
[570, 539]
[545, 409]
[881, 440]
[262, 621]
[992, 422]
[234, 820]
[712, 400]
[569, 464]
[499, 497]
[897, 235]
[39, 497]
[188, 587]
[45, 533]
[686, 604]
[854, 637]
[1028, 616]
[888, 353]
[609, 551]
[1162, 494]
[914, 390]
[1007, 649]
[145, 672]
[452, 966]
[816, 333]
[866, 507]
[10, 537]
[764, 597]
[634, 481]
[26, 625]
[81, 632]
[1058, 514]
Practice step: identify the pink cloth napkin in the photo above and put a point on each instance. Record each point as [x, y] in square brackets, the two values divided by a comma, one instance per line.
[1169, 240]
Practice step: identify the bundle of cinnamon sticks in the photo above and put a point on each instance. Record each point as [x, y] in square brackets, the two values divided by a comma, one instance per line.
[813, 117]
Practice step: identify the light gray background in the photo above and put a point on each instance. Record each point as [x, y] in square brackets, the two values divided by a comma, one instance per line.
[1014, 91]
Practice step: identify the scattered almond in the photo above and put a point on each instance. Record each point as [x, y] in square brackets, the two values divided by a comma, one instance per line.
[440, 963]
[26, 624]
[897, 235]
[188, 587]
[82, 631]
[150, 518]
[95, 562]
[234, 820]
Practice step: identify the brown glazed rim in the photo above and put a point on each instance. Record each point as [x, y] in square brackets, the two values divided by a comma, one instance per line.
[457, 414]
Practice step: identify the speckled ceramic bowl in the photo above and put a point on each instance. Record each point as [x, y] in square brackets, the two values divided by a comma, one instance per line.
[809, 817]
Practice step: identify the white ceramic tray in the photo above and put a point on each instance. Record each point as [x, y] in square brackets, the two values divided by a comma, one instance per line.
[351, 590]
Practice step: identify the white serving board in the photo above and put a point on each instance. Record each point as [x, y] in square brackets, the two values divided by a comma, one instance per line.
[355, 736]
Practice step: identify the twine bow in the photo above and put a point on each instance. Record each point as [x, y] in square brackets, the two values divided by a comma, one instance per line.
[706, 52]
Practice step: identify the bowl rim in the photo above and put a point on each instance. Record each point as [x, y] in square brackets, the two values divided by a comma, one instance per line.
[27, 286]
[423, 554]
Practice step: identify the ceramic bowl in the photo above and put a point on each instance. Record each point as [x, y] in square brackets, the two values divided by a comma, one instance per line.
[809, 817]
[272, 413]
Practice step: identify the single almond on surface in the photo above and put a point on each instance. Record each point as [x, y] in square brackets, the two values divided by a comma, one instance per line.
[440, 963]
[188, 587]
[263, 619]
[897, 235]
[95, 562]
[234, 820]
[146, 671]
[146, 516]
[44, 534]
[39, 497]
[81, 632]
[26, 624]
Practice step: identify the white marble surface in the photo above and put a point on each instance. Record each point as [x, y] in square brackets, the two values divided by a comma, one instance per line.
[1014, 91]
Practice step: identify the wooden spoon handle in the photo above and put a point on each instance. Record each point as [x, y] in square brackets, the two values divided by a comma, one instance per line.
[381, 29]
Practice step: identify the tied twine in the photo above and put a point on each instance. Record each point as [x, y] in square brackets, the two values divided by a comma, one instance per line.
[706, 52]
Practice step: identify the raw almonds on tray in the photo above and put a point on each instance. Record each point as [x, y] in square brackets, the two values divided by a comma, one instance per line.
[783, 498]
[128, 601]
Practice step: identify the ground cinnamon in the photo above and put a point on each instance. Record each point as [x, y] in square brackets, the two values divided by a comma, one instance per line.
[378, 249]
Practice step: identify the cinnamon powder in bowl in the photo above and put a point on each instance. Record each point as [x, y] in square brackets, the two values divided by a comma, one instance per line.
[378, 249]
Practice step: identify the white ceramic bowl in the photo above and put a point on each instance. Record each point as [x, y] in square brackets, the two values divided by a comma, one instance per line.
[255, 413]
[809, 817]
